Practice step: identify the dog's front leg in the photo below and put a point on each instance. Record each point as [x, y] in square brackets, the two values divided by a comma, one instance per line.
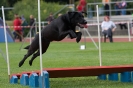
[79, 35]
[76, 35]
[72, 34]
[63, 34]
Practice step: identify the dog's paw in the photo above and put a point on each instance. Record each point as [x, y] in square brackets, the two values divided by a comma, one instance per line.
[30, 62]
[78, 39]
[79, 35]
[21, 63]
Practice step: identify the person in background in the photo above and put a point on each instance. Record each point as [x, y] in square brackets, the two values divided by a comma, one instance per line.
[24, 23]
[81, 7]
[31, 24]
[106, 7]
[22, 17]
[117, 8]
[83, 3]
[108, 27]
[123, 12]
[50, 18]
[17, 27]
[123, 7]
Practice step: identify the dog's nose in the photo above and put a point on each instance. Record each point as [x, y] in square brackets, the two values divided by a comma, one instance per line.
[85, 21]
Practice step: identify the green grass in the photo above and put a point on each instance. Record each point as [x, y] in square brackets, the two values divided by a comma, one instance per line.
[69, 55]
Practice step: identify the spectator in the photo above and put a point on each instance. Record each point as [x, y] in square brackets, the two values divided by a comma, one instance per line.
[22, 17]
[17, 28]
[50, 18]
[123, 7]
[83, 3]
[32, 20]
[81, 7]
[24, 23]
[117, 8]
[106, 7]
[108, 27]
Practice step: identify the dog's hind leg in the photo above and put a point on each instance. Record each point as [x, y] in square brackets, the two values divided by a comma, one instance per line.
[25, 57]
[45, 46]
[33, 57]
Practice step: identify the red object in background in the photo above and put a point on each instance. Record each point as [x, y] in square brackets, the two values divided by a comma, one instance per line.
[17, 23]
[82, 2]
[80, 8]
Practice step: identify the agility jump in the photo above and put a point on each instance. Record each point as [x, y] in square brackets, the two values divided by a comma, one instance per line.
[32, 78]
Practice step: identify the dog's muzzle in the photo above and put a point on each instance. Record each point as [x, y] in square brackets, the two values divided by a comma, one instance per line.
[83, 25]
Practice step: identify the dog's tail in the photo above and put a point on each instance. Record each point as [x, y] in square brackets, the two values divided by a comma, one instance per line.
[27, 47]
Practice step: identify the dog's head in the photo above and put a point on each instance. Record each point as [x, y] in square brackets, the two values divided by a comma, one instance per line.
[77, 19]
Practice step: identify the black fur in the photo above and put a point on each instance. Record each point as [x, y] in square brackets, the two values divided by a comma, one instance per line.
[57, 30]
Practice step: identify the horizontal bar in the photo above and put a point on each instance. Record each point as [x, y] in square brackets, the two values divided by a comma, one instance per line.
[82, 71]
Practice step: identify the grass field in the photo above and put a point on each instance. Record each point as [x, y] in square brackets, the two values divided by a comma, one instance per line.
[67, 54]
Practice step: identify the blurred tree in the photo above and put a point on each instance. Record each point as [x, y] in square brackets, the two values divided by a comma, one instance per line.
[12, 2]
[26, 8]
[5, 4]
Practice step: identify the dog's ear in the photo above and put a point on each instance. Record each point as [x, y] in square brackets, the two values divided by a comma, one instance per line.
[71, 14]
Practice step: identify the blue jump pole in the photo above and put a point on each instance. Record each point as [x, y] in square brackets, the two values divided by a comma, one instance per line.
[34, 80]
[24, 80]
[102, 77]
[125, 77]
[44, 81]
[14, 79]
[113, 77]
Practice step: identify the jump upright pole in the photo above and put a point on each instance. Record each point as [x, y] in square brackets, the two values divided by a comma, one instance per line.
[129, 36]
[7, 55]
[100, 58]
[40, 44]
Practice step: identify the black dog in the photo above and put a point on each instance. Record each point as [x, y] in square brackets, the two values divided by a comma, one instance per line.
[57, 30]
